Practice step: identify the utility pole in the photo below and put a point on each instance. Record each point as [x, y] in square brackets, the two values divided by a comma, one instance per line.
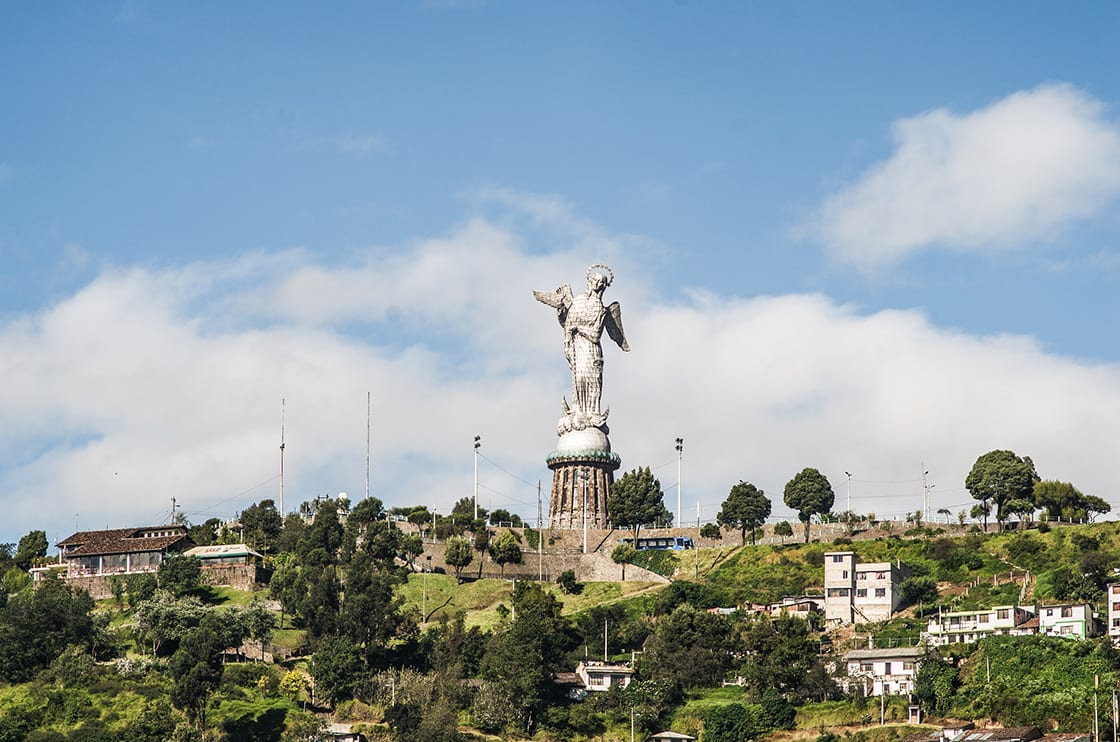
[680, 452]
[540, 536]
[282, 457]
[849, 491]
[477, 445]
[367, 444]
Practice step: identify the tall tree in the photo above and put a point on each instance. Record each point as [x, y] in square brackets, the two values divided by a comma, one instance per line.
[998, 477]
[746, 507]
[809, 493]
[458, 554]
[636, 499]
[31, 547]
[690, 648]
[37, 625]
[523, 658]
[261, 525]
[504, 550]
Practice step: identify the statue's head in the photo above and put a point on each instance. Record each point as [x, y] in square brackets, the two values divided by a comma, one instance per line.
[597, 281]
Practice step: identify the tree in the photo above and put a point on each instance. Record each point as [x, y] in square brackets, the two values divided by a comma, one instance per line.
[261, 525]
[370, 614]
[734, 722]
[504, 550]
[636, 499]
[524, 657]
[458, 554]
[338, 669]
[1063, 501]
[31, 547]
[690, 648]
[180, 574]
[998, 477]
[501, 515]
[809, 493]
[196, 668]
[206, 533]
[623, 554]
[259, 622]
[481, 544]
[712, 531]
[746, 507]
[37, 625]
[783, 529]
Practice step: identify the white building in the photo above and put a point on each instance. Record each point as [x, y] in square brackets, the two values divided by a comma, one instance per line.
[860, 593]
[1112, 595]
[602, 676]
[890, 672]
[1072, 620]
[966, 627]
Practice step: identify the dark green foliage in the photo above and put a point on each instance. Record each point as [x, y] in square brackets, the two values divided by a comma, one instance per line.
[711, 530]
[338, 669]
[735, 722]
[154, 724]
[567, 582]
[690, 648]
[206, 533]
[180, 574]
[31, 547]
[998, 477]
[780, 654]
[809, 493]
[370, 614]
[504, 550]
[196, 668]
[25, 647]
[261, 526]
[502, 516]
[937, 682]
[458, 554]
[636, 499]
[920, 589]
[697, 594]
[745, 508]
[784, 530]
[623, 554]
[254, 721]
[523, 658]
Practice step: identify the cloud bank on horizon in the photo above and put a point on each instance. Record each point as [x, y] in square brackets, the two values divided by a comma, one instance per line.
[1007, 175]
[156, 382]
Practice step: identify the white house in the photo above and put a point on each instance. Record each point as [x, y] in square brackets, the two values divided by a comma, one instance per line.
[891, 672]
[1073, 620]
[1112, 594]
[966, 627]
[602, 676]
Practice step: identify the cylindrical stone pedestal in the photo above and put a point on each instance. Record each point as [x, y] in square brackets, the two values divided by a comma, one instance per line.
[580, 479]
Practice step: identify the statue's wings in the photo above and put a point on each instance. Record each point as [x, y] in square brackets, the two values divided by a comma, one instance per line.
[613, 325]
[560, 299]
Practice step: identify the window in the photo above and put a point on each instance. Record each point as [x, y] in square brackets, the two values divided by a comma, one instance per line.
[1116, 622]
[1049, 611]
[837, 558]
[985, 617]
[866, 667]
[838, 592]
[596, 680]
[880, 575]
[1067, 629]
[1067, 611]
[1003, 613]
[861, 575]
[845, 575]
[1116, 606]
[861, 592]
[1116, 589]
[908, 666]
[880, 592]
[887, 668]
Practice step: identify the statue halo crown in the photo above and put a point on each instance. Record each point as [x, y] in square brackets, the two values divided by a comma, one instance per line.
[604, 266]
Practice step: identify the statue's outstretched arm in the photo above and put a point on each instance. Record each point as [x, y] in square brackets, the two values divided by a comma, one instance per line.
[613, 325]
[559, 299]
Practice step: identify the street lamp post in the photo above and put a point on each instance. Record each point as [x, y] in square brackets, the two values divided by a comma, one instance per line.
[849, 491]
[477, 445]
[680, 450]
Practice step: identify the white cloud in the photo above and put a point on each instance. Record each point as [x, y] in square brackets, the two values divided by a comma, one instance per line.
[1014, 171]
[150, 384]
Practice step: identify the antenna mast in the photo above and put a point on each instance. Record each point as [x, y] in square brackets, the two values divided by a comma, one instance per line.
[282, 457]
[367, 445]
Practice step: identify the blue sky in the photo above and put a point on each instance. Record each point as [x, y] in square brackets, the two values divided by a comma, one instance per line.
[868, 237]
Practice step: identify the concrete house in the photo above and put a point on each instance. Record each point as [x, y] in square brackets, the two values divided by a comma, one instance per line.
[966, 627]
[857, 592]
[890, 672]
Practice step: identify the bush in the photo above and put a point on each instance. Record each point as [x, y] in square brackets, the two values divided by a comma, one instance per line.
[712, 531]
[567, 582]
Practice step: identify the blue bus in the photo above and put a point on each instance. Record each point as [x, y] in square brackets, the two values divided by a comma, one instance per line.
[676, 543]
